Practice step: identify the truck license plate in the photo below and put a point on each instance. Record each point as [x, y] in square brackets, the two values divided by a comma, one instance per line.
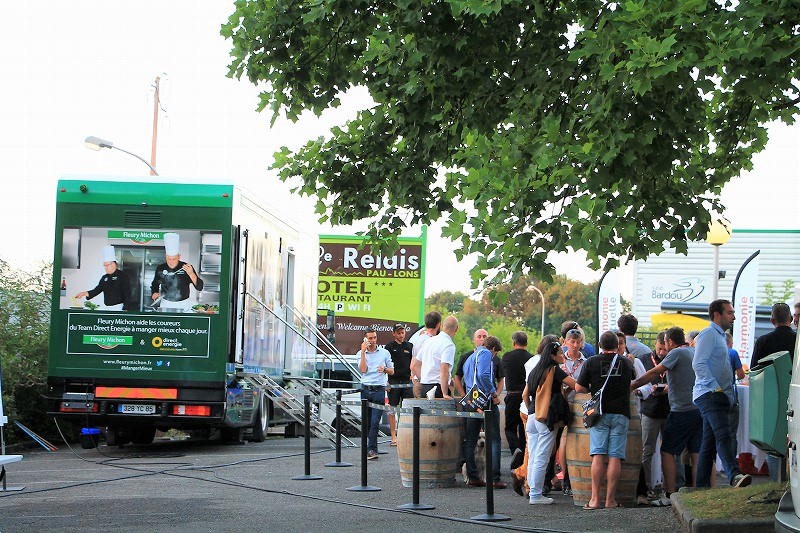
[137, 409]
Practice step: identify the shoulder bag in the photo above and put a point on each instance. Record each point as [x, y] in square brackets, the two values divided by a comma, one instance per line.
[543, 392]
[475, 399]
[593, 408]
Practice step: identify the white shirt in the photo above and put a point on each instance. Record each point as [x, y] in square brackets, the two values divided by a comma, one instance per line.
[417, 340]
[433, 352]
[529, 366]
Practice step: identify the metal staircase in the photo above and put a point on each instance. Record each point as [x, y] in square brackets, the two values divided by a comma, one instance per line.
[290, 398]
[295, 408]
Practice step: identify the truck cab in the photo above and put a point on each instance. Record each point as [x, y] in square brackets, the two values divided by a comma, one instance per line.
[787, 519]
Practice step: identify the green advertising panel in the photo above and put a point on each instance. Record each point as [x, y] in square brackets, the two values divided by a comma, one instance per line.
[142, 335]
[370, 290]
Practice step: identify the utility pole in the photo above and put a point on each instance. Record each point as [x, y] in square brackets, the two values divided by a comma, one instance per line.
[156, 105]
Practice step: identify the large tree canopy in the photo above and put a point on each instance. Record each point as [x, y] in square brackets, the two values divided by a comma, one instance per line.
[531, 126]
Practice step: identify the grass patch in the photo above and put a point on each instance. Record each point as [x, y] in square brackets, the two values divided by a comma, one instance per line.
[726, 502]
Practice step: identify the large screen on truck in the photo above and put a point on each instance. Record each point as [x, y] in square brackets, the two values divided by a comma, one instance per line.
[140, 292]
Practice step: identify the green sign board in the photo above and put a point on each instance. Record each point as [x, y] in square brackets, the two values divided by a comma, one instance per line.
[370, 290]
[136, 236]
[142, 335]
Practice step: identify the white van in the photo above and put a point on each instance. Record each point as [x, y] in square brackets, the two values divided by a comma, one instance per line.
[787, 518]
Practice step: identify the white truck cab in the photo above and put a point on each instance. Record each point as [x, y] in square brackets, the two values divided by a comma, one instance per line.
[787, 518]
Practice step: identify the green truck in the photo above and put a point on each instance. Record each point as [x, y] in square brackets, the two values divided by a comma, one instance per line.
[176, 305]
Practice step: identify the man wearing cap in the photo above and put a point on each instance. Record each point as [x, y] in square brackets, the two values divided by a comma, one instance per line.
[400, 381]
[172, 279]
[114, 285]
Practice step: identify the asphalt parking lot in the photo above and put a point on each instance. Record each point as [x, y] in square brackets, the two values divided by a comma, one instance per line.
[210, 486]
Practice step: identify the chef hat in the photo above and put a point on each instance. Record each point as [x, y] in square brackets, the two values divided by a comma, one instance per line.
[108, 254]
[172, 242]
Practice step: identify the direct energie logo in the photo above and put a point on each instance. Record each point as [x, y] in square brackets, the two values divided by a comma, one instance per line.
[157, 342]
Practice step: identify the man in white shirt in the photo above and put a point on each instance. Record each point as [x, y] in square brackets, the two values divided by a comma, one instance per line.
[434, 360]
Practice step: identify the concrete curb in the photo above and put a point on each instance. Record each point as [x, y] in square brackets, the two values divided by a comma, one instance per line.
[708, 525]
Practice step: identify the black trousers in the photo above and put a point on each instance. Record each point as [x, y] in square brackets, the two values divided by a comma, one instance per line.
[515, 429]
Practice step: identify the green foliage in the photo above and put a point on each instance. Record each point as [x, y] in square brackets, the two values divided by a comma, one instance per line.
[521, 310]
[531, 127]
[24, 333]
[446, 302]
[782, 295]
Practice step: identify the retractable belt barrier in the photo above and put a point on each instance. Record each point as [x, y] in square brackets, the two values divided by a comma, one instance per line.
[407, 411]
[415, 412]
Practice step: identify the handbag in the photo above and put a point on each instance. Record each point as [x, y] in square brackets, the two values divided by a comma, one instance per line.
[475, 399]
[543, 392]
[593, 408]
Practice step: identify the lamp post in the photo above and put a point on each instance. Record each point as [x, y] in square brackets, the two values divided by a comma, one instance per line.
[96, 143]
[719, 232]
[541, 296]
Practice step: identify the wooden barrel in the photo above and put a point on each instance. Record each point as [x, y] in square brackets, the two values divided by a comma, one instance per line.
[580, 463]
[439, 444]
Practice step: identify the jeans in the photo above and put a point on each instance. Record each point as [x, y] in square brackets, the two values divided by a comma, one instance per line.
[714, 408]
[515, 429]
[375, 415]
[774, 465]
[472, 430]
[651, 427]
[540, 445]
[733, 418]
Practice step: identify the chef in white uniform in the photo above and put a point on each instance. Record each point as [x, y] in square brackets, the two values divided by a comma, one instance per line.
[174, 277]
[114, 285]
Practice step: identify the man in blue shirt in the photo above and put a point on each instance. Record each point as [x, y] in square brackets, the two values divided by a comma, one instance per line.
[375, 364]
[713, 395]
[483, 375]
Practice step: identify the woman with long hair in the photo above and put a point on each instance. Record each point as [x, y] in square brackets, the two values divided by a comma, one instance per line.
[541, 427]
[519, 475]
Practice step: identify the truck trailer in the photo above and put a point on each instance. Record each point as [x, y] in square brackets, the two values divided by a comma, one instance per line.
[177, 305]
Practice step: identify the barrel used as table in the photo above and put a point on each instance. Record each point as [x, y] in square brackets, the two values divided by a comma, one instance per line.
[579, 461]
[439, 443]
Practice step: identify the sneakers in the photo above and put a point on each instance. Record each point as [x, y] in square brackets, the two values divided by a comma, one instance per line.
[371, 455]
[517, 458]
[541, 500]
[567, 490]
[546, 489]
[661, 502]
[741, 480]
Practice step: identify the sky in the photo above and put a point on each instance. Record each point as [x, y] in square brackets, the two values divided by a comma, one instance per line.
[78, 68]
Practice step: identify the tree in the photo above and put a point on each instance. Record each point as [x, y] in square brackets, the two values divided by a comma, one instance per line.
[578, 124]
[446, 301]
[24, 333]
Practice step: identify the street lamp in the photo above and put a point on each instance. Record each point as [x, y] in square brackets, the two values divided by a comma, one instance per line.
[96, 143]
[719, 232]
[541, 296]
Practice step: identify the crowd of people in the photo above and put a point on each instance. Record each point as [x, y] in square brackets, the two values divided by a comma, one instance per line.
[684, 388]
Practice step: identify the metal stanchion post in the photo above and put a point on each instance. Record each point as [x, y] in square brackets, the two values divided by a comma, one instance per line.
[415, 465]
[307, 437]
[364, 430]
[490, 516]
[338, 462]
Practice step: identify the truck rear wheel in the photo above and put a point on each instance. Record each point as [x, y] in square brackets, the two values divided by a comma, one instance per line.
[261, 422]
[143, 435]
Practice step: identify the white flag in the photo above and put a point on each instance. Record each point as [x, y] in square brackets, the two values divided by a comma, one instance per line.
[609, 302]
[744, 304]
